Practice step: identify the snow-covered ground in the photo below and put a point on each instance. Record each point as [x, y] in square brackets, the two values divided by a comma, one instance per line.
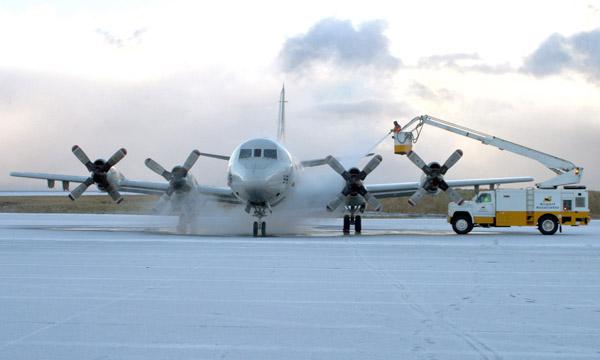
[121, 287]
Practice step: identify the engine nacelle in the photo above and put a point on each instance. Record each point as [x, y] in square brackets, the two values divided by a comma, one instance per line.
[108, 180]
[430, 183]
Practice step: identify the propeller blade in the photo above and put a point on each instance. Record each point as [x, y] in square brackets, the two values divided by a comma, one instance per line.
[416, 159]
[157, 168]
[336, 166]
[371, 165]
[191, 159]
[375, 204]
[116, 196]
[335, 203]
[113, 160]
[79, 190]
[85, 160]
[454, 157]
[416, 197]
[455, 196]
[442, 184]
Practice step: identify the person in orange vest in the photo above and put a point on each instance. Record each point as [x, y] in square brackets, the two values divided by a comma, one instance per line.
[397, 127]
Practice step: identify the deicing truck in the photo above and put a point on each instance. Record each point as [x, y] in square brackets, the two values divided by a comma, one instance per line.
[548, 209]
[549, 205]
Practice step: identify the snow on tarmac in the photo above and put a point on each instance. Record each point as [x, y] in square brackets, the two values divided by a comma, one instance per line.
[121, 287]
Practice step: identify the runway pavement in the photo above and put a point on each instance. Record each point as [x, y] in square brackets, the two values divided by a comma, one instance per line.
[125, 287]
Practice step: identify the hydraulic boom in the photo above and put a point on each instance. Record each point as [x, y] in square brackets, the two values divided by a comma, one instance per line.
[566, 172]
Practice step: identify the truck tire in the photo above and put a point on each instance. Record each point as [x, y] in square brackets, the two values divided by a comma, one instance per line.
[548, 224]
[462, 224]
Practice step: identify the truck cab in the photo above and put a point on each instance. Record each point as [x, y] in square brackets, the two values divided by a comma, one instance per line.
[548, 209]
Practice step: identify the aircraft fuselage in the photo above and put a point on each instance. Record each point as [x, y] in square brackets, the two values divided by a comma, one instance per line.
[261, 172]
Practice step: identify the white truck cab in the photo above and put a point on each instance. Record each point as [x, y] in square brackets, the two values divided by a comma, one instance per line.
[548, 209]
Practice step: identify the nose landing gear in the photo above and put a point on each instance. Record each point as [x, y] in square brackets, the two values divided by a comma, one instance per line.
[352, 220]
[259, 226]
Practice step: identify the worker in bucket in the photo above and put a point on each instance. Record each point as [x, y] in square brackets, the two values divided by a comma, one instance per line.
[396, 128]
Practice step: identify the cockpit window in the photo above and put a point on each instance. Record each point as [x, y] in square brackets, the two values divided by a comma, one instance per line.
[257, 152]
[245, 153]
[270, 153]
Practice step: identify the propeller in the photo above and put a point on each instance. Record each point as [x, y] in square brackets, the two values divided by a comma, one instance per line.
[98, 173]
[433, 180]
[177, 177]
[354, 182]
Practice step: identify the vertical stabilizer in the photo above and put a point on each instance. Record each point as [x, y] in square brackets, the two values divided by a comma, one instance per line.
[281, 123]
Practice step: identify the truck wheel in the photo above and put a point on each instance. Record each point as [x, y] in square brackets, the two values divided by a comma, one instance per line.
[548, 224]
[462, 224]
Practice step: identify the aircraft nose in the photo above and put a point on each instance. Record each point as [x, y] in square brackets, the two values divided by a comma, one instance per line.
[256, 190]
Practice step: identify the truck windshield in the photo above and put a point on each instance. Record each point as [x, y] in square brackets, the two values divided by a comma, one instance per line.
[484, 198]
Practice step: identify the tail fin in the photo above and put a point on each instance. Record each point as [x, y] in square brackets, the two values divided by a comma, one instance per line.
[281, 123]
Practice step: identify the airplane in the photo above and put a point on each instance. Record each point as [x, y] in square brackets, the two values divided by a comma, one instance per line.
[261, 175]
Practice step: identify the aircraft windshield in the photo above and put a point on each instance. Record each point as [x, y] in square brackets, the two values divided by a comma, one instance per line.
[270, 153]
[245, 153]
[266, 153]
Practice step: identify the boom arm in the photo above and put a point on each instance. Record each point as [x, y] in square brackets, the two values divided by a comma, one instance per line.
[567, 172]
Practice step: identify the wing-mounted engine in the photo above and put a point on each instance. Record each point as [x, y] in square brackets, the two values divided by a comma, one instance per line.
[102, 173]
[432, 181]
[354, 192]
[181, 182]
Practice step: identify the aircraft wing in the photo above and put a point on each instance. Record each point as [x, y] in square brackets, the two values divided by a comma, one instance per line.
[135, 186]
[323, 161]
[407, 189]
[50, 177]
[220, 193]
[313, 162]
[215, 156]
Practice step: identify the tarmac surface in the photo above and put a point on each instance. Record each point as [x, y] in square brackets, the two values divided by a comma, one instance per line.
[126, 287]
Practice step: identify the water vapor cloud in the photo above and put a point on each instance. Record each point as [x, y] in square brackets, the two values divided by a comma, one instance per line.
[579, 52]
[462, 62]
[339, 42]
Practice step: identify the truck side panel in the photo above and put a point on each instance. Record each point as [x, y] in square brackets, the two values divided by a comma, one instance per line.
[511, 207]
[547, 201]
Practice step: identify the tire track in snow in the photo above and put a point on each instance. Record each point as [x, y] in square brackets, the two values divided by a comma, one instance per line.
[483, 350]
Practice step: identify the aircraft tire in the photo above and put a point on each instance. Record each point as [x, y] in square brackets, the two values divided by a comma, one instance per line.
[358, 224]
[346, 228]
[255, 229]
[263, 229]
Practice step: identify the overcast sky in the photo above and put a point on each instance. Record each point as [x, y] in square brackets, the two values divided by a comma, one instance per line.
[162, 78]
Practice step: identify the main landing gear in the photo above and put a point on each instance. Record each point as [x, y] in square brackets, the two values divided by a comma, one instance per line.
[352, 220]
[259, 227]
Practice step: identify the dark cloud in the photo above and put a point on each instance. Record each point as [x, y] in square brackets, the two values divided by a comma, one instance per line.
[579, 52]
[333, 40]
[421, 90]
[462, 62]
[446, 60]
